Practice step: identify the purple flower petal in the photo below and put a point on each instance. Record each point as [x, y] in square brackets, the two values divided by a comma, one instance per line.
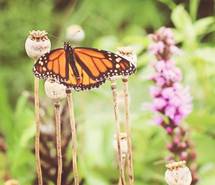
[159, 103]
[170, 111]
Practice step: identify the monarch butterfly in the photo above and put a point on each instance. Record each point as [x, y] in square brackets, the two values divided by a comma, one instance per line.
[81, 68]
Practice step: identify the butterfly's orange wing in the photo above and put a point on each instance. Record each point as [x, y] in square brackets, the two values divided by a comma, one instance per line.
[101, 64]
[93, 67]
[54, 65]
[85, 82]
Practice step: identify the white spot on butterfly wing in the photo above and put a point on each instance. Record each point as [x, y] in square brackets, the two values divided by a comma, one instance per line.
[117, 66]
[118, 59]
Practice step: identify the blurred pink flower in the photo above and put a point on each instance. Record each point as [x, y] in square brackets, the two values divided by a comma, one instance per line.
[158, 119]
[160, 66]
[170, 98]
[167, 73]
[170, 111]
[155, 91]
[159, 103]
[157, 47]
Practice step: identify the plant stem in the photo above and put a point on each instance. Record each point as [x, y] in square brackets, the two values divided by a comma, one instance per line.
[116, 114]
[37, 135]
[128, 132]
[74, 137]
[58, 141]
[123, 163]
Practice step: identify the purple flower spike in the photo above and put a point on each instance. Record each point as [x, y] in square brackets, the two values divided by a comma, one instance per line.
[170, 98]
[171, 101]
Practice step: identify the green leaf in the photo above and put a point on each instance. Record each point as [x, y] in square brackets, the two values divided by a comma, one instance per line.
[178, 36]
[206, 54]
[183, 24]
[194, 4]
[202, 26]
[169, 3]
[181, 18]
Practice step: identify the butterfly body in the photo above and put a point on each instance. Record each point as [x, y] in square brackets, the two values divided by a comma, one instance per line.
[70, 60]
[81, 68]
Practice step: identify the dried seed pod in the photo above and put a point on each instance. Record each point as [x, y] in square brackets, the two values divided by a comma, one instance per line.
[178, 174]
[128, 53]
[54, 90]
[37, 44]
[75, 33]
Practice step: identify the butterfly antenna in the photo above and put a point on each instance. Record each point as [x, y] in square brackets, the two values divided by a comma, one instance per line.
[57, 38]
[60, 41]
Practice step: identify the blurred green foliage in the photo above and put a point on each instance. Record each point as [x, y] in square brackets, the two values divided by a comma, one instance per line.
[107, 25]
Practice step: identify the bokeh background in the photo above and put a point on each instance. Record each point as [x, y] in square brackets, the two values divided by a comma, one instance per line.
[107, 24]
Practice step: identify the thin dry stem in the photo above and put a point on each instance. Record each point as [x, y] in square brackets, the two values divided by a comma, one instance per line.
[128, 132]
[74, 138]
[37, 135]
[116, 114]
[123, 164]
[58, 142]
